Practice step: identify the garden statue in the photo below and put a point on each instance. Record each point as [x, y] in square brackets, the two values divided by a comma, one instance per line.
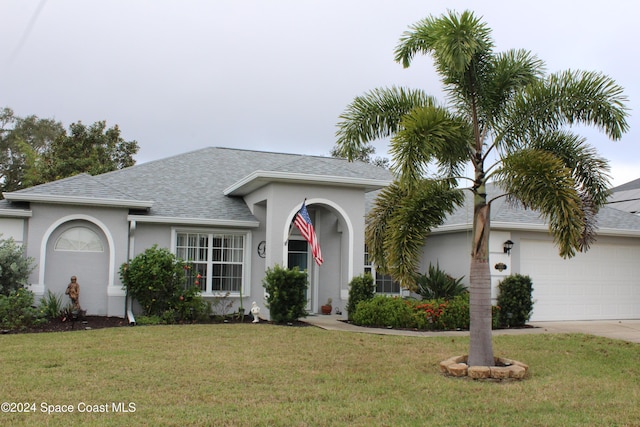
[73, 290]
[255, 310]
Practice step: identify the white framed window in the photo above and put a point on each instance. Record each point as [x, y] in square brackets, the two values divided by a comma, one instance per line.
[219, 257]
[79, 239]
[384, 283]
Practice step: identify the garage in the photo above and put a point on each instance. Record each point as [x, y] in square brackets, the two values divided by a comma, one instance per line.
[603, 283]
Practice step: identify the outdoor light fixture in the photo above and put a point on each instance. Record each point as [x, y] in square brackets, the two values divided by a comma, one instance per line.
[508, 245]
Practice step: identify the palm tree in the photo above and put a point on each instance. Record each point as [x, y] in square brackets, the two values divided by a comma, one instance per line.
[505, 118]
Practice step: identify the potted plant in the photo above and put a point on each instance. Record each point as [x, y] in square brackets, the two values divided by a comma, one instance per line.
[326, 309]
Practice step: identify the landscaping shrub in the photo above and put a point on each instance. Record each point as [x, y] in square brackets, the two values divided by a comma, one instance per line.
[286, 293]
[158, 281]
[438, 284]
[514, 300]
[51, 305]
[384, 311]
[15, 267]
[361, 288]
[456, 313]
[430, 315]
[17, 311]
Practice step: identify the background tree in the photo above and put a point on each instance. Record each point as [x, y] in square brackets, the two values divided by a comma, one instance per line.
[364, 154]
[93, 150]
[34, 151]
[22, 142]
[505, 118]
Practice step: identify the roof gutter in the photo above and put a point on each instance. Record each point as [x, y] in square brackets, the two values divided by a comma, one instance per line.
[511, 226]
[16, 213]
[77, 200]
[193, 221]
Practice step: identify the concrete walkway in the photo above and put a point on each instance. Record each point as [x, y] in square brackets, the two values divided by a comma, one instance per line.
[627, 330]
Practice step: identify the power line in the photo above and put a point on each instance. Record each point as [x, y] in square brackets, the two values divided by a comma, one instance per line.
[27, 32]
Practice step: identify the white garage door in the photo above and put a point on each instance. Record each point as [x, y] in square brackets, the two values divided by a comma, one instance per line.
[603, 283]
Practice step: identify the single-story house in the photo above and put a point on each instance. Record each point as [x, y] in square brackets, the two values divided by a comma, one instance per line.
[229, 212]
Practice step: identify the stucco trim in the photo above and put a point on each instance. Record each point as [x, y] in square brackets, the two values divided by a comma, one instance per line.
[193, 221]
[76, 217]
[339, 210]
[261, 178]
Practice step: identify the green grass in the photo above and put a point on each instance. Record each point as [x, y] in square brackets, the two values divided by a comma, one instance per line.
[265, 375]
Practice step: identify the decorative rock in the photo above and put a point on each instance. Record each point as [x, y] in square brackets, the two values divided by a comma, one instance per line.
[517, 372]
[458, 369]
[508, 362]
[505, 368]
[444, 365]
[500, 372]
[479, 372]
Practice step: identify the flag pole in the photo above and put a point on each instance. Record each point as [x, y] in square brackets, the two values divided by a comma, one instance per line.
[292, 220]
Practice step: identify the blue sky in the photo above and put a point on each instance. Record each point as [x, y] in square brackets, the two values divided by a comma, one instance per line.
[179, 75]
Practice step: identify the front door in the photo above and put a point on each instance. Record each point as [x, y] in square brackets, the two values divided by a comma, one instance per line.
[298, 256]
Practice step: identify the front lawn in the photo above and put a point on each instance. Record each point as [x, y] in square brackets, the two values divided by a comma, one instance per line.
[266, 375]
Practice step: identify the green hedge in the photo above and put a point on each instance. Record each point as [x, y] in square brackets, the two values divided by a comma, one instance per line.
[431, 315]
[515, 300]
[286, 293]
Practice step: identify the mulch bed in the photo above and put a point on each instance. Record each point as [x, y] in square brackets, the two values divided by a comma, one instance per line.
[101, 322]
[86, 322]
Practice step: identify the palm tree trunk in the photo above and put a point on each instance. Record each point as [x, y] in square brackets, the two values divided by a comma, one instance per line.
[481, 345]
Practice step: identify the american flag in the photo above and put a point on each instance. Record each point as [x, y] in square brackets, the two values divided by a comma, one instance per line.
[303, 222]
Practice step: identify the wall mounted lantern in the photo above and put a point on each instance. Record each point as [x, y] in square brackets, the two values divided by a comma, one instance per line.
[508, 245]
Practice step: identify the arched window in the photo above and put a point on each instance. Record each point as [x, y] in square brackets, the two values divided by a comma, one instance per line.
[79, 239]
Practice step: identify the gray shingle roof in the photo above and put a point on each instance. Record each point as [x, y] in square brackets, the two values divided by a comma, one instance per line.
[191, 185]
[508, 215]
[626, 197]
[504, 213]
[631, 185]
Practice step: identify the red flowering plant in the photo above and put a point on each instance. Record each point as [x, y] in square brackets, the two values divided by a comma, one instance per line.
[190, 304]
[428, 314]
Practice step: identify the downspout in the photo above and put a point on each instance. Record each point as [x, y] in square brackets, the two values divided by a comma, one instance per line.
[127, 301]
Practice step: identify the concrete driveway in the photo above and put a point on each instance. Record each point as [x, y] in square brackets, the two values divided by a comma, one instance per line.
[627, 330]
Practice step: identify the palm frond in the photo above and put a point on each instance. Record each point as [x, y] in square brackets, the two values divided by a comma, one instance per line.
[590, 171]
[506, 74]
[428, 135]
[378, 219]
[376, 114]
[453, 40]
[566, 98]
[423, 208]
[540, 181]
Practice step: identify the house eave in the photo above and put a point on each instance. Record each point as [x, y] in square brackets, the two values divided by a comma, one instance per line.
[193, 221]
[76, 200]
[261, 178]
[16, 213]
[511, 226]
[495, 225]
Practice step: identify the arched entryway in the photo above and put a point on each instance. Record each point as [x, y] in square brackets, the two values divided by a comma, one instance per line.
[80, 248]
[336, 237]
